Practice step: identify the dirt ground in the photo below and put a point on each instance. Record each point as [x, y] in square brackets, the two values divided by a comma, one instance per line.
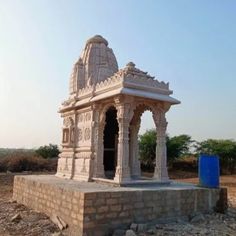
[228, 181]
[36, 224]
[30, 222]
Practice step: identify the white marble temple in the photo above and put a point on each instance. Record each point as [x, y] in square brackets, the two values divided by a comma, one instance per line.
[101, 118]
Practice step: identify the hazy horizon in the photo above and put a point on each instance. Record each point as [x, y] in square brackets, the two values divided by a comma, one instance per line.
[190, 44]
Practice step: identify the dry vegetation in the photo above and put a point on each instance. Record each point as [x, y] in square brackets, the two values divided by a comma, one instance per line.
[26, 161]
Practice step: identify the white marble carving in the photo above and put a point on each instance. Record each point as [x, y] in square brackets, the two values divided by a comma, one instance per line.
[96, 86]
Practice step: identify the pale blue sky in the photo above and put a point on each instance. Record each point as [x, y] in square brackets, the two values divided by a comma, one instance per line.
[190, 43]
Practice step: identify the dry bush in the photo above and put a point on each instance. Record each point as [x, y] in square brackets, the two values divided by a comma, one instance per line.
[26, 161]
[189, 163]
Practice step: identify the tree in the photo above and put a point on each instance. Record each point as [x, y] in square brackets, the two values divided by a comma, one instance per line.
[48, 151]
[177, 146]
[147, 147]
[225, 149]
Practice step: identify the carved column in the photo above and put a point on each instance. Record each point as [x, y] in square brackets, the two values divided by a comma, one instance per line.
[100, 165]
[99, 147]
[161, 172]
[73, 142]
[123, 116]
[134, 151]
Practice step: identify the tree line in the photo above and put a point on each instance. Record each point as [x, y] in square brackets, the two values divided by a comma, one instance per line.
[179, 149]
[183, 146]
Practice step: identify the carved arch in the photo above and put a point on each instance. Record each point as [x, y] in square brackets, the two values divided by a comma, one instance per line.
[99, 165]
[158, 113]
[102, 115]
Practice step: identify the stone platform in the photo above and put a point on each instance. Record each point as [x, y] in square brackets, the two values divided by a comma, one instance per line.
[97, 209]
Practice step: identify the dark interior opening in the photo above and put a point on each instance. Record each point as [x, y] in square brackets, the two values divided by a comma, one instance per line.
[110, 143]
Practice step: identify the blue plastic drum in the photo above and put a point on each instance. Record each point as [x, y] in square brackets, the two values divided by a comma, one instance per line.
[209, 171]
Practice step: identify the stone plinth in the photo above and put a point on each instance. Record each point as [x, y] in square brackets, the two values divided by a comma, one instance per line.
[92, 207]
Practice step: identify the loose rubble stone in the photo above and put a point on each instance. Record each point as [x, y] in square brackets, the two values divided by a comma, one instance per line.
[151, 231]
[57, 234]
[169, 228]
[134, 227]
[182, 219]
[119, 232]
[233, 226]
[141, 228]
[59, 222]
[197, 218]
[159, 226]
[16, 218]
[12, 201]
[130, 232]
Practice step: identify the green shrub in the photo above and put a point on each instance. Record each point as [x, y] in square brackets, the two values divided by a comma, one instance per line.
[48, 151]
[177, 147]
[224, 148]
[147, 149]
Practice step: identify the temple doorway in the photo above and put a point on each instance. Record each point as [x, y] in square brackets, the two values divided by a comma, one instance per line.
[110, 143]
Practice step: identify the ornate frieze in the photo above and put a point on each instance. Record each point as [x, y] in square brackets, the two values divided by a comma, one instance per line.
[68, 122]
[87, 133]
[84, 127]
[80, 134]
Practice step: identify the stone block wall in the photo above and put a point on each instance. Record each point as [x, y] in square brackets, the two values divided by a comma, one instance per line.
[100, 212]
[50, 199]
[113, 210]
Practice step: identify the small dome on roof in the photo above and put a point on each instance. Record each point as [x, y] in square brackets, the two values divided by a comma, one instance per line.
[130, 64]
[97, 39]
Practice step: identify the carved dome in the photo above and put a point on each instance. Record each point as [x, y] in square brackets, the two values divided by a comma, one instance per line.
[96, 63]
[97, 39]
